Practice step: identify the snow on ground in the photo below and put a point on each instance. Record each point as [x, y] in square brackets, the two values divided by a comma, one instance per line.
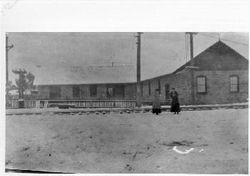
[56, 109]
[130, 143]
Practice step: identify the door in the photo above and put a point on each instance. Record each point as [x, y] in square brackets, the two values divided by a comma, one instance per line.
[167, 92]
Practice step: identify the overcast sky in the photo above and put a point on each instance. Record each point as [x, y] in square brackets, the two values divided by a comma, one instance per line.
[162, 53]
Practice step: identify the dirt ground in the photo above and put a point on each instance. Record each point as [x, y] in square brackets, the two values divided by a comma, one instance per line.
[130, 143]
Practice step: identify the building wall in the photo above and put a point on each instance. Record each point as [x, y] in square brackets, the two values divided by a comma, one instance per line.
[181, 82]
[66, 92]
[101, 92]
[218, 87]
[84, 91]
[43, 92]
[121, 91]
[130, 91]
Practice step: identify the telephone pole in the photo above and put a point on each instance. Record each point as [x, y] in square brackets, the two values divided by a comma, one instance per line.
[138, 70]
[191, 34]
[8, 47]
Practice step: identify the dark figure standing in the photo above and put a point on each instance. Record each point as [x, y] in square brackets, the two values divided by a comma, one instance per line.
[156, 104]
[175, 106]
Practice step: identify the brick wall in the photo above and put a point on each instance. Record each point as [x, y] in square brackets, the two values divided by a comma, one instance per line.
[218, 87]
[181, 82]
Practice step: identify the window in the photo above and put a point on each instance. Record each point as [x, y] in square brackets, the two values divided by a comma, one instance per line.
[201, 84]
[55, 92]
[234, 84]
[76, 91]
[110, 92]
[93, 90]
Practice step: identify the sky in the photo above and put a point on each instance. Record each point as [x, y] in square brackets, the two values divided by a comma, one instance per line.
[52, 54]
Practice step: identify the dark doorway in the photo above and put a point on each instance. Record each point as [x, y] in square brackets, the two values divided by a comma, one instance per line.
[167, 92]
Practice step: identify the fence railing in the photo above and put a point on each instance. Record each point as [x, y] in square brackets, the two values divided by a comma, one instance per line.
[76, 103]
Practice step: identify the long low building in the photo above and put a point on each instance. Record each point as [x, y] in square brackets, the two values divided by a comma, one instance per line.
[220, 76]
[110, 82]
[107, 91]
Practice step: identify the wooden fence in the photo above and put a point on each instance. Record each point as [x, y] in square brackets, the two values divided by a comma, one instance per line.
[76, 103]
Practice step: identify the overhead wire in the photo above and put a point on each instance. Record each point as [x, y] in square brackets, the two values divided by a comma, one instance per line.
[240, 43]
[224, 39]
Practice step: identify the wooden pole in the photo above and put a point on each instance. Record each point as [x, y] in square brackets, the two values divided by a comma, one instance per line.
[7, 67]
[192, 66]
[138, 70]
[8, 47]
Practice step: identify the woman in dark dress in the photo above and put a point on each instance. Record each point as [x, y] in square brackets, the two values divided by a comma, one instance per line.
[175, 106]
[156, 103]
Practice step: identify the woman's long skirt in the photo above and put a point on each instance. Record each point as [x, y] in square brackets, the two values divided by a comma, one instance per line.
[156, 111]
[175, 107]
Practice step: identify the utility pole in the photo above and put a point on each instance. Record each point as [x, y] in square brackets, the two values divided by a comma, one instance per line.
[191, 34]
[138, 70]
[8, 47]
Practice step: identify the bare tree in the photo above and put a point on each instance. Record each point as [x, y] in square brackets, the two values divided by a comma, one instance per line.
[24, 82]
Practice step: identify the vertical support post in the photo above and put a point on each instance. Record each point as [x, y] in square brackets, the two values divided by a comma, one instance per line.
[6, 57]
[138, 70]
[7, 47]
[192, 71]
[192, 66]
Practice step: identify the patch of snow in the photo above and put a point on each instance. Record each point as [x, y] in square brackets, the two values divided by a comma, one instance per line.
[181, 152]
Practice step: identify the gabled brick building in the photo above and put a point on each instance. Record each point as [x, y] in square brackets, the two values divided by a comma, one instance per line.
[220, 73]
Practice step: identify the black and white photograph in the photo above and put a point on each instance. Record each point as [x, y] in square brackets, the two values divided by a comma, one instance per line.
[124, 102]
[127, 102]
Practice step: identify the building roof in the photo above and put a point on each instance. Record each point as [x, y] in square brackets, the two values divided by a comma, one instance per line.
[87, 75]
[219, 56]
